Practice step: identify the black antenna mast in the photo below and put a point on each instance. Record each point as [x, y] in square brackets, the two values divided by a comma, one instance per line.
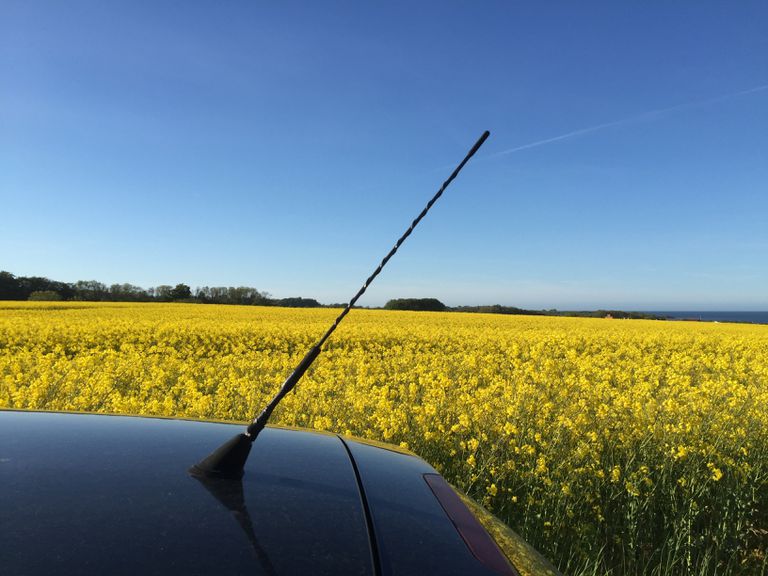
[228, 460]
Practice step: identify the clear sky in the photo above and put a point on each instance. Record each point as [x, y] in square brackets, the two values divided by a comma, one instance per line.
[286, 146]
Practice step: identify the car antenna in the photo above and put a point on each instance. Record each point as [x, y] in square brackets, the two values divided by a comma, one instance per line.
[228, 461]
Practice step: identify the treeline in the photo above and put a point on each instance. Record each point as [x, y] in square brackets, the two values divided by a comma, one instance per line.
[39, 288]
[421, 304]
[620, 314]
[433, 304]
[498, 309]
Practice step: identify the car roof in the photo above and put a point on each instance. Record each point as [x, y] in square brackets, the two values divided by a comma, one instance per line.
[95, 494]
[112, 494]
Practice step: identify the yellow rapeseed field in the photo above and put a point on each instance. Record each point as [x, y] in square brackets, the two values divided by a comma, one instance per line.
[621, 447]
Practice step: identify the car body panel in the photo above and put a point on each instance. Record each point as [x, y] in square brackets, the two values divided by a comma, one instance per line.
[85, 494]
[407, 518]
[525, 559]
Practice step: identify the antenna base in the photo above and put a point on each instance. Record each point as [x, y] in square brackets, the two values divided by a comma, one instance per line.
[227, 461]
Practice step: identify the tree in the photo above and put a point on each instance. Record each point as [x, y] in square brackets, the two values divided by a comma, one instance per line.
[163, 293]
[127, 293]
[45, 295]
[89, 290]
[30, 284]
[231, 295]
[423, 304]
[9, 287]
[181, 292]
[297, 302]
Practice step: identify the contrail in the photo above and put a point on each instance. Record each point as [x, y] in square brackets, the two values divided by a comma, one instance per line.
[637, 118]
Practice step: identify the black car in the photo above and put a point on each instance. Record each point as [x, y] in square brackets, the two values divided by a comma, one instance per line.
[91, 494]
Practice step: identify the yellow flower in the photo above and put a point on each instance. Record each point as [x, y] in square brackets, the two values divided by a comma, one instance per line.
[716, 473]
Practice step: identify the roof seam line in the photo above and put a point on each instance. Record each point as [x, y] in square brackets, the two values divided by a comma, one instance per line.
[376, 560]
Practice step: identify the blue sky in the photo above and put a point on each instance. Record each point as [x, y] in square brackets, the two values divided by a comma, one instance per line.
[286, 146]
